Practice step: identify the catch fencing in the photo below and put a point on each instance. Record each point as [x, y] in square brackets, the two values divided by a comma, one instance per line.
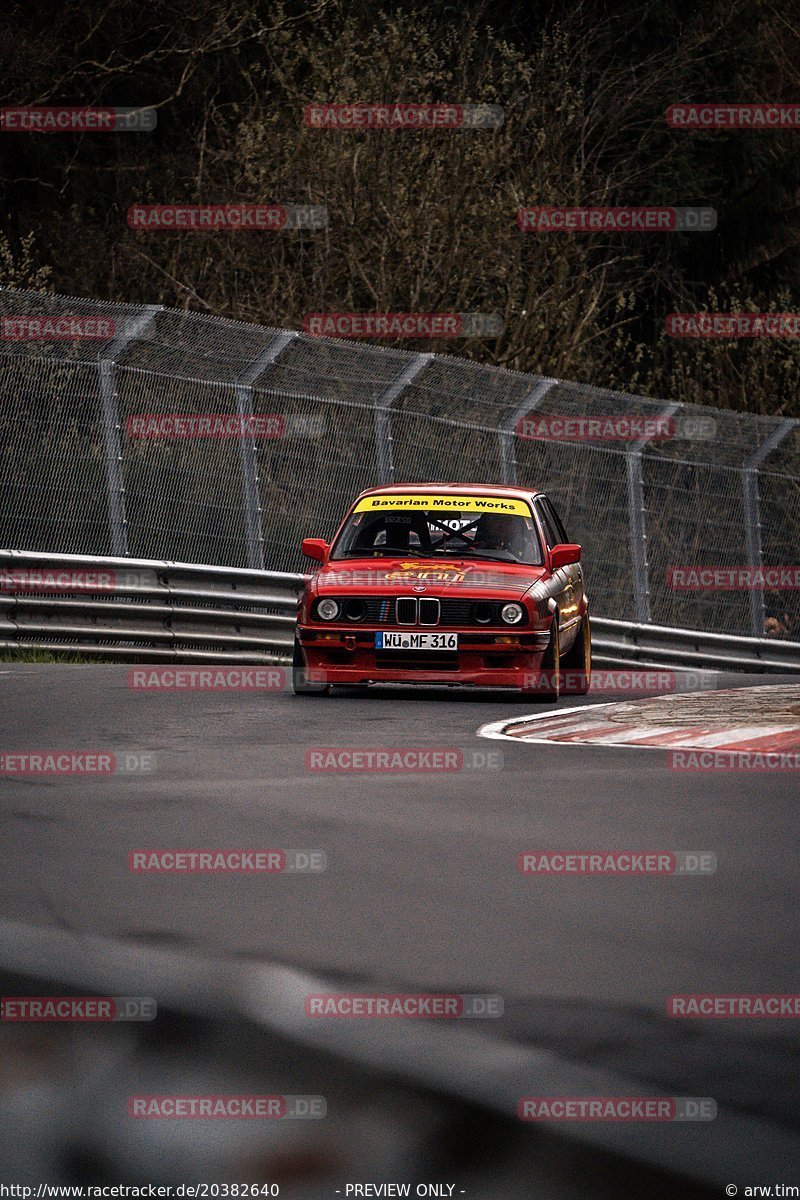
[644, 485]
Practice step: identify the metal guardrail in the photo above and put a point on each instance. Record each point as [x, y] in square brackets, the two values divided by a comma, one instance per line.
[621, 643]
[128, 608]
[140, 609]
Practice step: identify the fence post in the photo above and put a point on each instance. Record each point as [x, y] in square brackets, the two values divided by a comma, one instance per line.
[112, 438]
[384, 404]
[752, 518]
[508, 435]
[248, 453]
[637, 523]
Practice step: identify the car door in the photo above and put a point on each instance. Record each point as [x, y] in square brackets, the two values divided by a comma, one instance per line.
[577, 571]
[570, 598]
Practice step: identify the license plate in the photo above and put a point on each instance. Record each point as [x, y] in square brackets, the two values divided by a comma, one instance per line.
[416, 641]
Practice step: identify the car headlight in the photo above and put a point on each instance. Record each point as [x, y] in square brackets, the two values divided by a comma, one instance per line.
[327, 609]
[512, 614]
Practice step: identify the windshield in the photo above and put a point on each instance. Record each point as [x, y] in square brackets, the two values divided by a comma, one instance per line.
[440, 527]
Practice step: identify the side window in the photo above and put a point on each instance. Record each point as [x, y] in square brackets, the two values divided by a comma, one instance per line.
[555, 521]
[551, 534]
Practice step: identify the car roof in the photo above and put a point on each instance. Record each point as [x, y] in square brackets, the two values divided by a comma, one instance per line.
[458, 489]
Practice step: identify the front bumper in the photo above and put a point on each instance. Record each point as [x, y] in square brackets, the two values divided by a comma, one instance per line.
[497, 659]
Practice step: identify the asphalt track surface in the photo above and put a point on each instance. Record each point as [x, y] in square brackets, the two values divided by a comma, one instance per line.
[422, 891]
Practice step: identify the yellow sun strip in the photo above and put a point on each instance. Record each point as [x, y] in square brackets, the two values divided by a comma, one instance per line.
[447, 503]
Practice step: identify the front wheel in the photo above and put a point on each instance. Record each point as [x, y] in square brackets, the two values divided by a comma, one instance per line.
[576, 665]
[302, 685]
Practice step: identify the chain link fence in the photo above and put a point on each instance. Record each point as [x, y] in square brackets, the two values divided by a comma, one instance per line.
[707, 488]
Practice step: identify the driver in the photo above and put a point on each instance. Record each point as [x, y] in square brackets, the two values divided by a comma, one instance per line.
[499, 531]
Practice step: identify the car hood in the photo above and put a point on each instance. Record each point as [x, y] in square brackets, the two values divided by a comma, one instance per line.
[465, 578]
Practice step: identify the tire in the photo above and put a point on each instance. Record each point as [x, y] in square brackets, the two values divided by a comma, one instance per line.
[576, 665]
[300, 683]
[550, 666]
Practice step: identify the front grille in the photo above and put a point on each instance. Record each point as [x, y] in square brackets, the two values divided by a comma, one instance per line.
[475, 614]
[406, 611]
[429, 612]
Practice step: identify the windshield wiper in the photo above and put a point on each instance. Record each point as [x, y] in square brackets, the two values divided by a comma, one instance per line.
[495, 555]
[395, 551]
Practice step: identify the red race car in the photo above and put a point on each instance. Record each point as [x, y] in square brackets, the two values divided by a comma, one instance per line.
[446, 583]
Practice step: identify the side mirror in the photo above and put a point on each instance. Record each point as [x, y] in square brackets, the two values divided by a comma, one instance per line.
[564, 554]
[315, 548]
